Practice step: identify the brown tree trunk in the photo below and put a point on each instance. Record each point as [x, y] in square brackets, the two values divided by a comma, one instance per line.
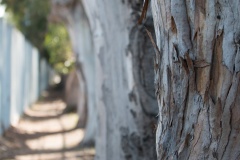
[71, 90]
[197, 79]
[75, 95]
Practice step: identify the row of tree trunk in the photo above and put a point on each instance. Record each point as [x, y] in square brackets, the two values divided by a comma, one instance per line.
[193, 73]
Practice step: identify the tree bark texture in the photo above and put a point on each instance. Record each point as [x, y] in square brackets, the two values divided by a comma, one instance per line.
[197, 78]
[124, 71]
[117, 56]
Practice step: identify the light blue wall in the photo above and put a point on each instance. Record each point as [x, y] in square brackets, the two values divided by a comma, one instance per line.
[23, 75]
[5, 72]
[1, 66]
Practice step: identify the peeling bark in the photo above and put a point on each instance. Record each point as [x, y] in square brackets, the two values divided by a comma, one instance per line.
[197, 79]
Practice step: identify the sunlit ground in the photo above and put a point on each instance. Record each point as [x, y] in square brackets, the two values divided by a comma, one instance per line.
[46, 132]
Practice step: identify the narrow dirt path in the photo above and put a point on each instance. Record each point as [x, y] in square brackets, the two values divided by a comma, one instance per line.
[45, 132]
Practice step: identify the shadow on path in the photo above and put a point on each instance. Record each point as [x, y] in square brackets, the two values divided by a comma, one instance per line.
[45, 132]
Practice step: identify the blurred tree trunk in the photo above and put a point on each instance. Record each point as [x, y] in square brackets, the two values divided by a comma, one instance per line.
[197, 79]
[125, 99]
[123, 74]
[82, 99]
[75, 95]
[72, 14]
[71, 90]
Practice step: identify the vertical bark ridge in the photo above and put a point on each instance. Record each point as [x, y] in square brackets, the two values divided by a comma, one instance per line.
[179, 13]
[204, 64]
[227, 116]
[232, 150]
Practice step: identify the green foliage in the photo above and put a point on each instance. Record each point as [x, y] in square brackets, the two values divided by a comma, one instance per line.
[58, 45]
[30, 17]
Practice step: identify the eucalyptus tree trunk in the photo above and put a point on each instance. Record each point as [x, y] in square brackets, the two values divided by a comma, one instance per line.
[73, 15]
[123, 74]
[126, 107]
[197, 79]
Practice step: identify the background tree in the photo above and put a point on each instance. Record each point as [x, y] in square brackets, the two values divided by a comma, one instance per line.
[59, 49]
[31, 18]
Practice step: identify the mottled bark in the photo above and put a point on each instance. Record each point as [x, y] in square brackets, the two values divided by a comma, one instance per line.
[125, 93]
[197, 79]
[123, 77]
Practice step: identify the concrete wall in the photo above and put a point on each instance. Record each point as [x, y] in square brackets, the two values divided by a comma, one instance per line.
[23, 75]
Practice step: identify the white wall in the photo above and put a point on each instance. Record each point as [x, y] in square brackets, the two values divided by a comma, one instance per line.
[23, 75]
